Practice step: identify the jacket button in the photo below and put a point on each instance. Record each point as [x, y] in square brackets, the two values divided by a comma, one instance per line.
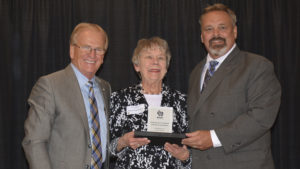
[90, 145]
[212, 114]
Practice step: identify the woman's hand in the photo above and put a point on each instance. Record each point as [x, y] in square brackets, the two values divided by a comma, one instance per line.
[128, 140]
[181, 153]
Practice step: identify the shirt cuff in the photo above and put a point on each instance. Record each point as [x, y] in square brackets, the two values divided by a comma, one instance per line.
[215, 139]
[113, 148]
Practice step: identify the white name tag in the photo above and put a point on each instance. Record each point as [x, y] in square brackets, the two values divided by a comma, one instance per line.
[138, 109]
[160, 119]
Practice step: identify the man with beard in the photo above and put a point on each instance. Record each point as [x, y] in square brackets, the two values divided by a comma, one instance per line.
[233, 100]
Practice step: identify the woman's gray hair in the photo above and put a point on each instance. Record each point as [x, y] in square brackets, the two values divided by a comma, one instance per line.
[150, 44]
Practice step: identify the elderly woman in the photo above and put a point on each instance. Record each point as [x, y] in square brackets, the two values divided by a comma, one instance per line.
[151, 59]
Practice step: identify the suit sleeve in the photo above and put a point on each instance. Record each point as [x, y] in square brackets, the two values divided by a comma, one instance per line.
[263, 99]
[38, 125]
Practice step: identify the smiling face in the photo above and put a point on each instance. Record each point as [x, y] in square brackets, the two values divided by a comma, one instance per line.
[88, 62]
[152, 65]
[218, 33]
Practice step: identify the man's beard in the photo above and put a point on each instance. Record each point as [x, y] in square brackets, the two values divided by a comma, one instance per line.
[219, 49]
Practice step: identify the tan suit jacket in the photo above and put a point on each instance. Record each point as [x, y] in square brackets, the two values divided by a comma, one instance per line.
[240, 103]
[57, 130]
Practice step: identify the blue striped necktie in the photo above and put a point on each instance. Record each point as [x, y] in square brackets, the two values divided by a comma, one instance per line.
[209, 72]
[96, 160]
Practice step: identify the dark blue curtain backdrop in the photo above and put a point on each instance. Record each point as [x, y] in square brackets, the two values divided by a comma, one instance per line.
[34, 41]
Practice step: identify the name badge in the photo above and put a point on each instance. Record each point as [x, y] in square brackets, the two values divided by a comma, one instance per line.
[138, 109]
[160, 119]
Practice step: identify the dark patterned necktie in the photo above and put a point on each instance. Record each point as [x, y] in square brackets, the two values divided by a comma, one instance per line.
[209, 72]
[96, 141]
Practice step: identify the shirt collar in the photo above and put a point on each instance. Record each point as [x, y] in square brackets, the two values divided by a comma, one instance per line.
[82, 80]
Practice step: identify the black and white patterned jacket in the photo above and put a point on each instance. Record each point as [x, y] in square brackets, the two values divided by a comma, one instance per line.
[147, 156]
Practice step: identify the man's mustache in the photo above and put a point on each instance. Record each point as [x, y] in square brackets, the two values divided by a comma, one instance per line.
[216, 38]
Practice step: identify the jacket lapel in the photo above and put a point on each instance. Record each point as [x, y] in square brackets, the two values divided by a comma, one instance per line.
[194, 88]
[226, 67]
[139, 96]
[75, 92]
[105, 94]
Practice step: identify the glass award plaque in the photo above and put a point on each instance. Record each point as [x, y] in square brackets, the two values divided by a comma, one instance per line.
[160, 122]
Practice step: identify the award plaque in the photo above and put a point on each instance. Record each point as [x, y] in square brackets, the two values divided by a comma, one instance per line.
[160, 119]
[160, 123]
